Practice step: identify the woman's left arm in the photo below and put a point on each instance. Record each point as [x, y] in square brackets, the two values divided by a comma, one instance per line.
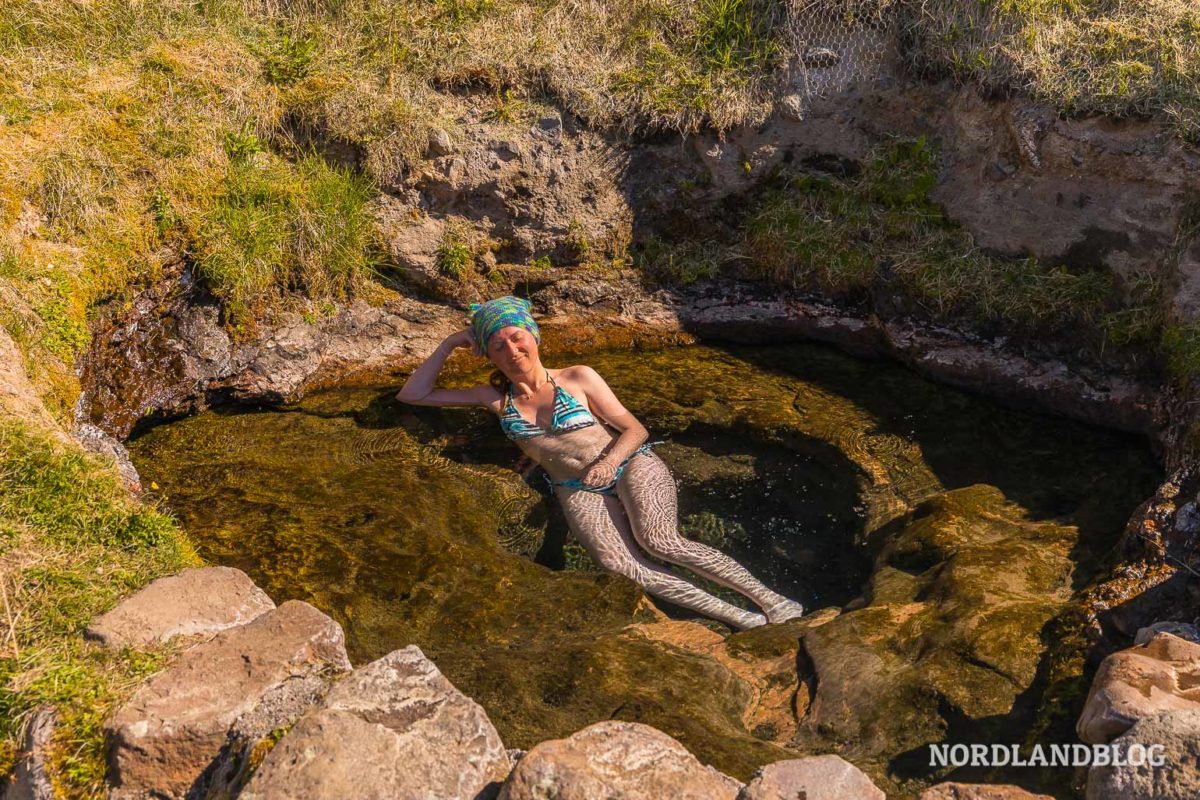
[605, 404]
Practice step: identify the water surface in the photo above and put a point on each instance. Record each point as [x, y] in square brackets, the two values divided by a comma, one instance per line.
[413, 525]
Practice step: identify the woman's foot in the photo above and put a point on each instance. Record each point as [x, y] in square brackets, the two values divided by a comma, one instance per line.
[745, 620]
[784, 611]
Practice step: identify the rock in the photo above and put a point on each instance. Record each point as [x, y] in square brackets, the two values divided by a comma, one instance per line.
[791, 107]
[987, 581]
[440, 143]
[414, 243]
[1181, 629]
[615, 759]
[1161, 675]
[1177, 777]
[394, 728]
[195, 601]
[979, 791]
[30, 780]
[95, 440]
[763, 660]
[174, 727]
[826, 777]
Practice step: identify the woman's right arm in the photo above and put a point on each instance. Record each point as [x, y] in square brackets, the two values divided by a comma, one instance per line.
[418, 389]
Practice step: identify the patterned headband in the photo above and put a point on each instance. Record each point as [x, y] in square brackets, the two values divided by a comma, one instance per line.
[489, 317]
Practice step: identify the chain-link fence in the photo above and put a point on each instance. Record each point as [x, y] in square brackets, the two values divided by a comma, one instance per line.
[838, 43]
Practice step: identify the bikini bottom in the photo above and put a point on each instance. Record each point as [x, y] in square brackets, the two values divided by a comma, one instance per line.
[609, 488]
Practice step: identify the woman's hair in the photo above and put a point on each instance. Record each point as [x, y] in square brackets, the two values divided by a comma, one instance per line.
[499, 382]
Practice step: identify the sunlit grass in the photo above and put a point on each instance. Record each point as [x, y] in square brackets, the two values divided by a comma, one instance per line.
[71, 542]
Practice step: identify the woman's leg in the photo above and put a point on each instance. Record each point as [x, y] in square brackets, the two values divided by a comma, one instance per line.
[648, 492]
[600, 525]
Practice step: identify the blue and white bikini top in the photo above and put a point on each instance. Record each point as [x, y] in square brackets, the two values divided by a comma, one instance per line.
[569, 415]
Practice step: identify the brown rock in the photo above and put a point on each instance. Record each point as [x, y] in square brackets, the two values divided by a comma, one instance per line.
[196, 601]
[174, 727]
[826, 777]
[1161, 675]
[980, 791]
[615, 759]
[1161, 761]
[396, 728]
[1183, 630]
[767, 668]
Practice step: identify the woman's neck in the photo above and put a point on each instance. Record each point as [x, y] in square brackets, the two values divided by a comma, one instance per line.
[530, 381]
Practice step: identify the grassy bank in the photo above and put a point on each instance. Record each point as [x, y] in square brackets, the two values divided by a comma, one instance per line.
[1083, 56]
[71, 542]
[873, 233]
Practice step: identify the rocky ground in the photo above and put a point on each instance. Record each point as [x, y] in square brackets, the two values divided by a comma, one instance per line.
[262, 702]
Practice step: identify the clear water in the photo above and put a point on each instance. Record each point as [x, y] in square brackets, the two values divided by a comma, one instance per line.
[411, 525]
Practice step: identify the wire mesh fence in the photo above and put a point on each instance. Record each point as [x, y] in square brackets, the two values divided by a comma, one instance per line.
[838, 43]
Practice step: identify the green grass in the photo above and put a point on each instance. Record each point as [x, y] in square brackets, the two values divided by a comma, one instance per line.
[284, 228]
[455, 256]
[877, 233]
[1083, 56]
[71, 543]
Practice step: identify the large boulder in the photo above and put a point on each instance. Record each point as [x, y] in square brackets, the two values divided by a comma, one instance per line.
[395, 728]
[1172, 773]
[193, 602]
[615, 759]
[1161, 675]
[174, 728]
[980, 791]
[1184, 630]
[959, 598]
[827, 777]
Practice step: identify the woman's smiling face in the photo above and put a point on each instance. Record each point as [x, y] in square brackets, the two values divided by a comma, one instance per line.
[512, 349]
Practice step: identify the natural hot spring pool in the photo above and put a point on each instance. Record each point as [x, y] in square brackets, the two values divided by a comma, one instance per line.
[965, 527]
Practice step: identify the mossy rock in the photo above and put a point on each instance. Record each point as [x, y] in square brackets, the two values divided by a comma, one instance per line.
[953, 634]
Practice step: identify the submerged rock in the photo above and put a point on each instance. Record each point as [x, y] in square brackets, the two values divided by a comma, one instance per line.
[195, 601]
[826, 777]
[958, 600]
[176, 725]
[394, 728]
[615, 759]
[1161, 675]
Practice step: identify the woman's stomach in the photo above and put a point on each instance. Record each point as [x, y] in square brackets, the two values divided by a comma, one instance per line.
[568, 455]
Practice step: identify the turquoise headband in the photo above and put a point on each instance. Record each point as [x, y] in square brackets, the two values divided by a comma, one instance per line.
[489, 317]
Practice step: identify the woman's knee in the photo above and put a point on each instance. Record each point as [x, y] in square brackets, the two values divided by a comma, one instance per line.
[668, 546]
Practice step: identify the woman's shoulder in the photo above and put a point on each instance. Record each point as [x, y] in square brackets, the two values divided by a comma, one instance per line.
[578, 373]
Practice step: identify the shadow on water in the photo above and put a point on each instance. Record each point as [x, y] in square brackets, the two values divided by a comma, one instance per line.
[1054, 468]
